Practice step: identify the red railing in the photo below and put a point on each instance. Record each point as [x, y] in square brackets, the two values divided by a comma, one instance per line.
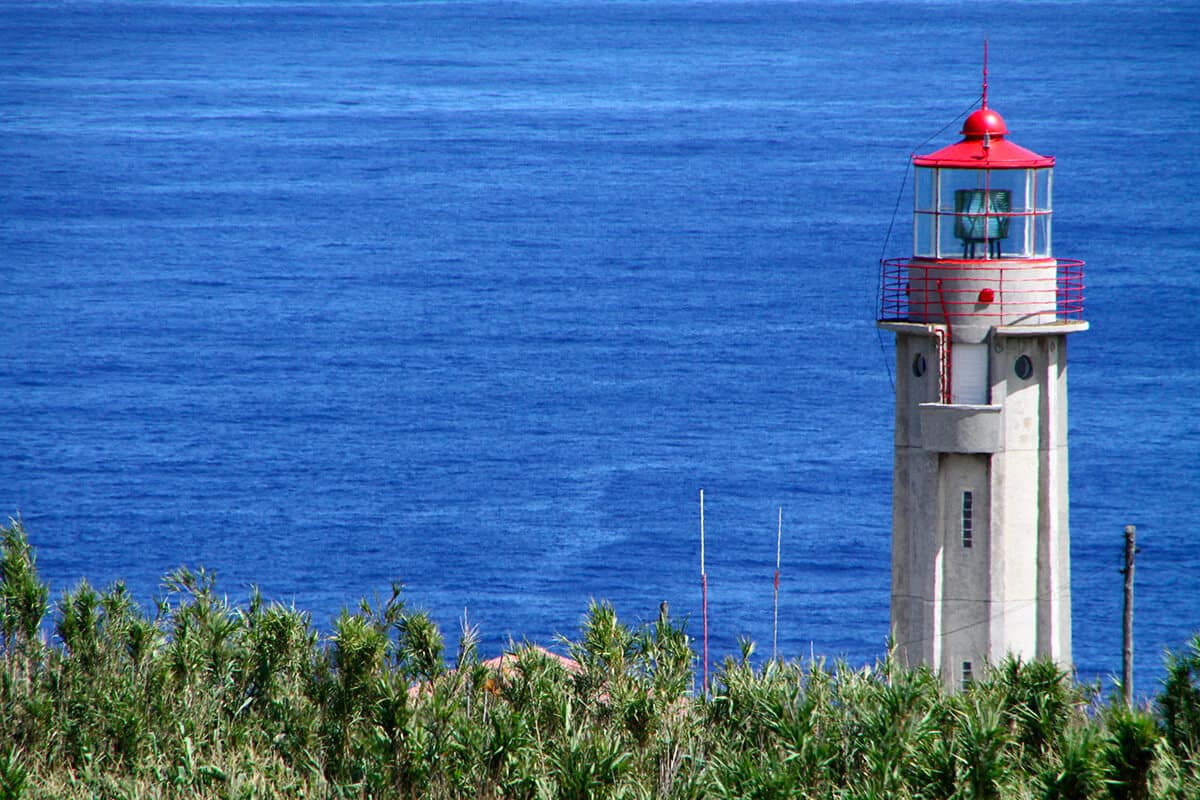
[1000, 292]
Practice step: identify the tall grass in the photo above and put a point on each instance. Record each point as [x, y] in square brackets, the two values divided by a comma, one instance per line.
[197, 698]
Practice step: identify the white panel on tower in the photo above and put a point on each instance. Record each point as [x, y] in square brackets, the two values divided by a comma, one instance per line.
[969, 374]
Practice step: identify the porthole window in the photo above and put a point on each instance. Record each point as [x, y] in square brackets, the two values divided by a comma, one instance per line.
[918, 366]
[1023, 367]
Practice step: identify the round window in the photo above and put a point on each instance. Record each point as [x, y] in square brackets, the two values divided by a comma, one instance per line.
[919, 365]
[1023, 368]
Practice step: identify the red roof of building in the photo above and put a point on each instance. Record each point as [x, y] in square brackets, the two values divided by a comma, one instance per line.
[984, 146]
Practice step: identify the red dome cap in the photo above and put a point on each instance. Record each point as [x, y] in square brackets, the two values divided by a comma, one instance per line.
[984, 121]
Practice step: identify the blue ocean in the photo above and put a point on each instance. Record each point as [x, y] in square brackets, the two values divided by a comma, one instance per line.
[478, 295]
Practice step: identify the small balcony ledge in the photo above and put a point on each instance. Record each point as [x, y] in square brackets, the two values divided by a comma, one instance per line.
[957, 428]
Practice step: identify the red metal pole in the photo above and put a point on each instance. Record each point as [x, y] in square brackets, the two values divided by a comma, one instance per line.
[704, 595]
[775, 622]
[704, 592]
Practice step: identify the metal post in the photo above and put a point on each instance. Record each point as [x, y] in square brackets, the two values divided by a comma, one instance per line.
[1127, 636]
[704, 592]
[775, 623]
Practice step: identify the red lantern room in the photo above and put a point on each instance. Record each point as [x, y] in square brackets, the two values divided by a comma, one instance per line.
[983, 198]
[982, 237]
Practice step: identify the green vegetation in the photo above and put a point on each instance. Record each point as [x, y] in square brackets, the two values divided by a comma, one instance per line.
[203, 699]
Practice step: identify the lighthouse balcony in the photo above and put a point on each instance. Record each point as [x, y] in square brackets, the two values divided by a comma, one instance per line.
[981, 292]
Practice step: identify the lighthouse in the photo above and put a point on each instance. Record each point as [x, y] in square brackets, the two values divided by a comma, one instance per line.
[981, 312]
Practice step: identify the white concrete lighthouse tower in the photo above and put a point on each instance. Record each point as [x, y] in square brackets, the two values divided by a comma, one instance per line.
[981, 313]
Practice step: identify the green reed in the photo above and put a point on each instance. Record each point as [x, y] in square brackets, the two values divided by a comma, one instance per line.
[195, 697]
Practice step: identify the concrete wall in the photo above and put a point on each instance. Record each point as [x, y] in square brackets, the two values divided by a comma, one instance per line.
[1036, 475]
[968, 572]
[1024, 291]
[915, 591]
[1009, 591]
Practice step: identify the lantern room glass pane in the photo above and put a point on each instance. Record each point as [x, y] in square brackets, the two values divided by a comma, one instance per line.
[1041, 236]
[981, 214]
[980, 236]
[1041, 188]
[924, 235]
[926, 185]
[1022, 196]
[954, 181]
[1018, 243]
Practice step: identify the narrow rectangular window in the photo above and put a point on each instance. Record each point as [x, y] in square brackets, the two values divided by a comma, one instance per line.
[967, 675]
[968, 519]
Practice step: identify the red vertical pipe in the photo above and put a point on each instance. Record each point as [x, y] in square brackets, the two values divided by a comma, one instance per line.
[704, 596]
[704, 592]
[948, 394]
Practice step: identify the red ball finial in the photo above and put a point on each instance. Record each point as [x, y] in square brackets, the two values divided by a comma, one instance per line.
[984, 122]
